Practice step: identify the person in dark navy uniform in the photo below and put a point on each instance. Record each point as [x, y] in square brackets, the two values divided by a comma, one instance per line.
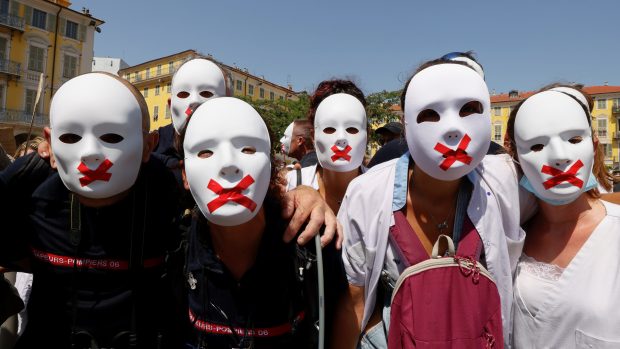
[96, 232]
[242, 286]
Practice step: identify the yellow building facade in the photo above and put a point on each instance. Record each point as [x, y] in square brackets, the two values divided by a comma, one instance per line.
[605, 118]
[153, 78]
[38, 36]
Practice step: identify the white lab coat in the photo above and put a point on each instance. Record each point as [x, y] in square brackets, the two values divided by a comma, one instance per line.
[308, 177]
[366, 215]
[582, 308]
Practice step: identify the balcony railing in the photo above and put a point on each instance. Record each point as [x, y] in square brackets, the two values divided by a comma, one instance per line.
[10, 67]
[165, 71]
[11, 21]
[23, 117]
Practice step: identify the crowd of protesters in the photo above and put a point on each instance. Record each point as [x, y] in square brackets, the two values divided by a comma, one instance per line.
[193, 236]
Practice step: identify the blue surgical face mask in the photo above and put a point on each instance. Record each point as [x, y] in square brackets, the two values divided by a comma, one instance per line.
[525, 183]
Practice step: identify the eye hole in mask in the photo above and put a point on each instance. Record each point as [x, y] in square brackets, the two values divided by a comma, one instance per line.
[248, 150]
[112, 138]
[428, 115]
[537, 147]
[576, 140]
[206, 94]
[183, 94]
[473, 107]
[352, 130]
[69, 138]
[329, 130]
[205, 154]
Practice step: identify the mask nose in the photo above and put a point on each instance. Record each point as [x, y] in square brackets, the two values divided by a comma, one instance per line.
[560, 156]
[453, 137]
[229, 165]
[341, 140]
[91, 153]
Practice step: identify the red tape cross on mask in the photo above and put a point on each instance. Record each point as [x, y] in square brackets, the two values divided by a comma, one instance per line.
[189, 111]
[341, 154]
[100, 174]
[560, 177]
[451, 156]
[231, 194]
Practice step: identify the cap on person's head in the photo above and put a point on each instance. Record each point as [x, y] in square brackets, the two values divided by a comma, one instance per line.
[391, 127]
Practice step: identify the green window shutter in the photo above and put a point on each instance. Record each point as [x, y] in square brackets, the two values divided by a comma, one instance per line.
[61, 26]
[51, 22]
[28, 14]
[14, 8]
[82, 33]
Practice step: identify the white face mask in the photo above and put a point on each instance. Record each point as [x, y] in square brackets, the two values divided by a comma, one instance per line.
[447, 120]
[194, 83]
[227, 160]
[554, 146]
[96, 136]
[285, 141]
[340, 132]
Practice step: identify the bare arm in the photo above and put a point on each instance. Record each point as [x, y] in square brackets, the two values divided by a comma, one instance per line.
[611, 197]
[348, 318]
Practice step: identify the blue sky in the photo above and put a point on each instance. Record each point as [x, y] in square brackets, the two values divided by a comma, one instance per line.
[521, 44]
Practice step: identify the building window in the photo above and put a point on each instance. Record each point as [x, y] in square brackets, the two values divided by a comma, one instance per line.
[616, 102]
[281, 98]
[168, 87]
[168, 115]
[251, 89]
[158, 69]
[147, 73]
[497, 131]
[155, 113]
[156, 90]
[601, 104]
[608, 150]
[38, 18]
[36, 59]
[71, 30]
[146, 92]
[29, 100]
[601, 127]
[69, 68]
[272, 96]
[138, 76]
[497, 111]
[261, 92]
[239, 85]
[170, 67]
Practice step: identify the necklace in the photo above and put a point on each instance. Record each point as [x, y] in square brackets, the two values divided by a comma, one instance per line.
[442, 227]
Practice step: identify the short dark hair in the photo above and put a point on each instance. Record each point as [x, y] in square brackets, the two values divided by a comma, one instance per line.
[330, 87]
[305, 128]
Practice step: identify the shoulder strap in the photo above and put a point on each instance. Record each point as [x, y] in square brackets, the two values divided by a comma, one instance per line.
[298, 170]
[136, 252]
[405, 240]
[460, 216]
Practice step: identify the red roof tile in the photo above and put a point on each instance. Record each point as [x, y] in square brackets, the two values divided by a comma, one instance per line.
[591, 90]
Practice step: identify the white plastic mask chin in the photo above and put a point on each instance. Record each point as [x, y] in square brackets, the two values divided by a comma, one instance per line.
[553, 137]
[227, 160]
[96, 135]
[447, 120]
[285, 141]
[194, 83]
[340, 133]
